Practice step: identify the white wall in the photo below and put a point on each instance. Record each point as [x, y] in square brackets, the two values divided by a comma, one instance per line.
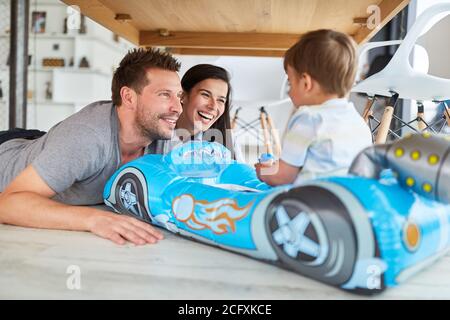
[253, 78]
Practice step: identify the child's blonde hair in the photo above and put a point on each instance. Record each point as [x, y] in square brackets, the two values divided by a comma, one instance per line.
[328, 56]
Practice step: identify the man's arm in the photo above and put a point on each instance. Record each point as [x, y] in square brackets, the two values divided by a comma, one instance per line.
[277, 174]
[26, 202]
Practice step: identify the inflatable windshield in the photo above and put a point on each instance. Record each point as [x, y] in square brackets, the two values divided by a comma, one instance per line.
[372, 229]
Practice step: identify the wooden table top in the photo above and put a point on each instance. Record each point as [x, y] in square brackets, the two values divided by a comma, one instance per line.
[34, 265]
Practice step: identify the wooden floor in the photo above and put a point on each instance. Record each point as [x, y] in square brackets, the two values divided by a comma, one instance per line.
[34, 264]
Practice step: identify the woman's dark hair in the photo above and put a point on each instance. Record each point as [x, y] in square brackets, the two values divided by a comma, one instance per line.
[202, 72]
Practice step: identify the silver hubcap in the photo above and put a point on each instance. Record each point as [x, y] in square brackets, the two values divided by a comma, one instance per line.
[290, 234]
[129, 199]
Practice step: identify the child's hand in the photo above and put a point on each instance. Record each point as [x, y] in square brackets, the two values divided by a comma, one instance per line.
[278, 173]
[258, 167]
[266, 159]
[265, 170]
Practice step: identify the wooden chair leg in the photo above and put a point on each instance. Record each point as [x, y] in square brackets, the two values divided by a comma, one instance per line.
[447, 114]
[421, 125]
[383, 129]
[275, 136]
[368, 109]
[267, 141]
[385, 123]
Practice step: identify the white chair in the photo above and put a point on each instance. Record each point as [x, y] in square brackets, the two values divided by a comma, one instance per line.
[399, 80]
[264, 122]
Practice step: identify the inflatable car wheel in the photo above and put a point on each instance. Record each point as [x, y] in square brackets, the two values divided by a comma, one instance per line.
[131, 194]
[312, 234]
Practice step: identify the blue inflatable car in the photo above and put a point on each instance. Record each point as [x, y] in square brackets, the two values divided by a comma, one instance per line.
[363, 232]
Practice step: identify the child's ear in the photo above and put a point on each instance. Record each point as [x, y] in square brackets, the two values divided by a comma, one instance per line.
[307, 82]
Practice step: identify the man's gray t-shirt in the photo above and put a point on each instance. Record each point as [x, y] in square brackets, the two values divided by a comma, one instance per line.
[75, 158]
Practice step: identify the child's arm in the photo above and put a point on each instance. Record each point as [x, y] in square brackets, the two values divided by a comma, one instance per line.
[277, 174]
[300, 135]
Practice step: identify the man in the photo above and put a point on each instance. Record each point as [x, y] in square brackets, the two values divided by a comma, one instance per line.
[47, 182]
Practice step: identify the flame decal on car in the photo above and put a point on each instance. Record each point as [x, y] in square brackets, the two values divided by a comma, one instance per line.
[220, 216]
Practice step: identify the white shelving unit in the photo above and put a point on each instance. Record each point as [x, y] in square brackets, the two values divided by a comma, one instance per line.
[72, 87]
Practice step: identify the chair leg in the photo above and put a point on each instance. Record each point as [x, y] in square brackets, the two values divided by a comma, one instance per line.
[447, 113]
[275, 136]
[421, 125]
[368, 109]
[267, 141]
[385, 123]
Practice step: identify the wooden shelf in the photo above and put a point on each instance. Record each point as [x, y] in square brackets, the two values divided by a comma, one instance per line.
[35, 3]
[63, 36]
[69, 69]
[49, 103]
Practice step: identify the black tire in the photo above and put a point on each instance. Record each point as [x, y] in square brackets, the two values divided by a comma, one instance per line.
[319, 227]
[130, 186]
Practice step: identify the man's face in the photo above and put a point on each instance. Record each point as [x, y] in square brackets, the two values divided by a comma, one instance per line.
[158, 105]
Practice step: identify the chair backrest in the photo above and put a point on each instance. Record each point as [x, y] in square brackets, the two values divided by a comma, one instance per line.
[399, 76]
[424, 22]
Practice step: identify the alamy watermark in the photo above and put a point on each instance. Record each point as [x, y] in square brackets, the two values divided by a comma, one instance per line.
[374, 20]
[73, 281]
[73, 17]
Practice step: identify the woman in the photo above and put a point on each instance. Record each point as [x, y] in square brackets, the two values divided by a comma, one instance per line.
[206, 110]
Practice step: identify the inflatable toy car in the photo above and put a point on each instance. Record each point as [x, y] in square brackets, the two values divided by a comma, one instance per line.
[362, 232]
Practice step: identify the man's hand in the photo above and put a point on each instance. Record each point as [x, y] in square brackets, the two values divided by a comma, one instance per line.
[120, 228]
[26, 202]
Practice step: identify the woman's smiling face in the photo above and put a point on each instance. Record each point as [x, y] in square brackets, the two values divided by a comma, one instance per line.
[204, 104]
